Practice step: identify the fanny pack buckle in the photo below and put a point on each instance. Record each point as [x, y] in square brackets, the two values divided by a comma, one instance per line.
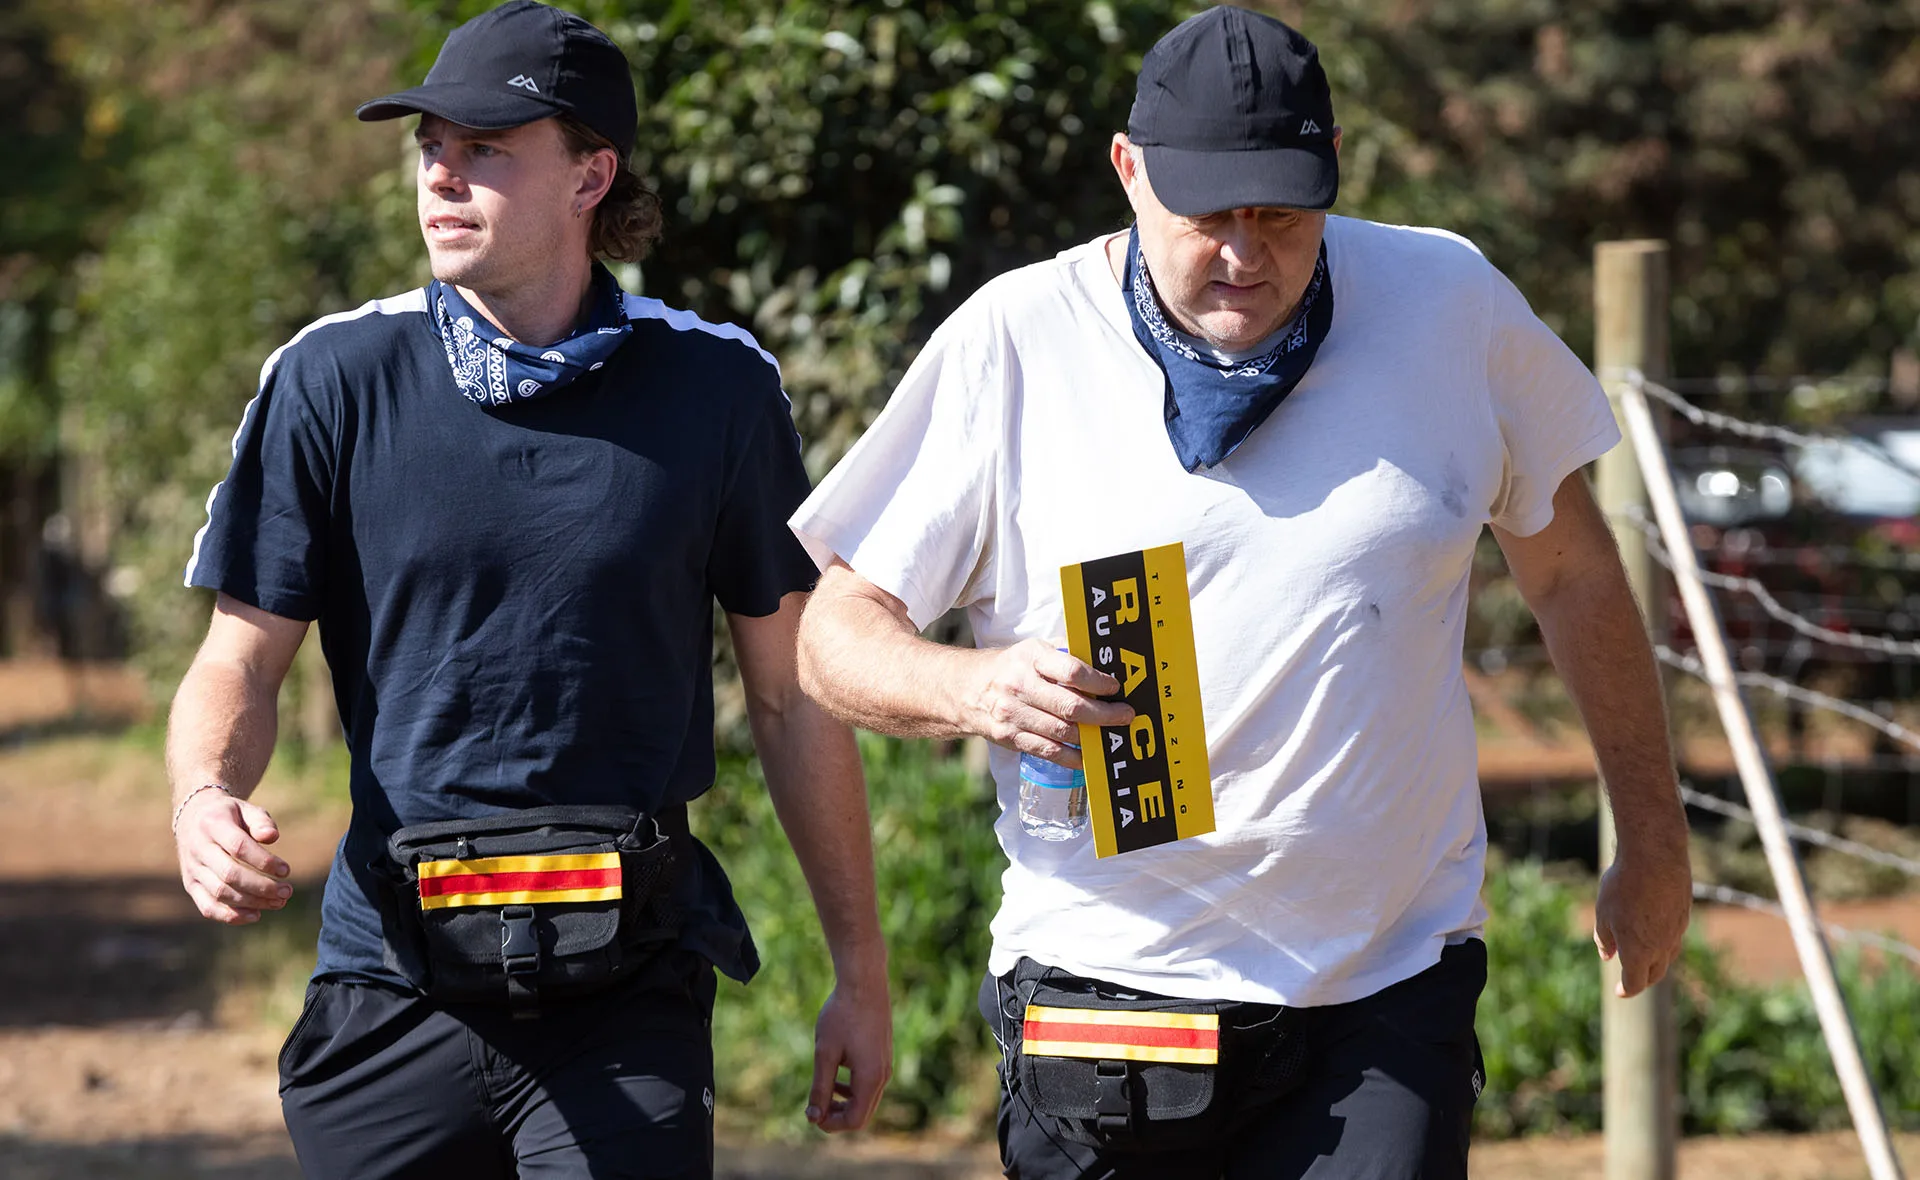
[519, 945]
[1112, 1099]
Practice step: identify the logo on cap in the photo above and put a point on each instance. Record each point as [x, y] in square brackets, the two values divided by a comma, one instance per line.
[1309, 127]
[524, 83]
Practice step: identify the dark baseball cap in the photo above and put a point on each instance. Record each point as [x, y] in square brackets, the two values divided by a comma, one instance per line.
[1232, 111]
[519, 63]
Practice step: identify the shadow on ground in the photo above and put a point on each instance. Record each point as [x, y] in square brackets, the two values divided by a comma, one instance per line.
[109, 950]
[188, 1157]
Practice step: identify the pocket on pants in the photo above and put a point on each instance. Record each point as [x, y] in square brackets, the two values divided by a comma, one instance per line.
[292, 1050]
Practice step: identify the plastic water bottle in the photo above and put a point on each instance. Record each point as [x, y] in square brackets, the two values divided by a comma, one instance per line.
[1053, 799]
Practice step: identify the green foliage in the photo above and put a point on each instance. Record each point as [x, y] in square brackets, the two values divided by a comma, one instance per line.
[234, 239]
[1752, 1057]
[938, 872]
[1773, 144]
[1539, 1018]
[841, 173]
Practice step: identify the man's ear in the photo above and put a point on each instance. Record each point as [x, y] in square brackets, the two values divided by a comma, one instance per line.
[597, 179]
[1126, 165]
[1336, 139]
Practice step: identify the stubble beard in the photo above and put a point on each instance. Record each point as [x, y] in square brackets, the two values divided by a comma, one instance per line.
[468, 269]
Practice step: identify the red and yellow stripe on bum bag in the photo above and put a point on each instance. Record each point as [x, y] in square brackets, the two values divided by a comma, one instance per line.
[519, 880]
[1186, 1038]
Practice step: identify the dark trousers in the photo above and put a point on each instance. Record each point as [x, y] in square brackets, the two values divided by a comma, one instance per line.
[378, 1083]
[1378, 1089]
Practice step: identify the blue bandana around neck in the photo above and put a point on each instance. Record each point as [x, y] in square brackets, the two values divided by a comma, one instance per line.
[494, 370]
[1212, 407]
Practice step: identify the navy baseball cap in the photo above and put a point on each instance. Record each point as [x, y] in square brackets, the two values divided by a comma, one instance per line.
[1232, 111]
[520, 63]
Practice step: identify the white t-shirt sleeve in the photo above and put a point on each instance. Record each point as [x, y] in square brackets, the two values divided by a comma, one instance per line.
[1553, 416]
[910, 507]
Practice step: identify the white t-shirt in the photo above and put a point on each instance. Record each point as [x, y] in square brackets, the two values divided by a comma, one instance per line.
[1328, 560]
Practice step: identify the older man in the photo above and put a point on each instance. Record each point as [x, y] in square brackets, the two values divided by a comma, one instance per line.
[1324, 412]
[511, 500]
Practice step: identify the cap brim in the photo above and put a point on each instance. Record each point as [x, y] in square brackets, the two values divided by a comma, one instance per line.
[1195, 183]
[485, 108]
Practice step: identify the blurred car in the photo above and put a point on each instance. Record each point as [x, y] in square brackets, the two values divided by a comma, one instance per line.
[1833, 533]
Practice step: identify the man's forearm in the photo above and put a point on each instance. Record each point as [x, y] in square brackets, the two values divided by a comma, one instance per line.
[221, 729]
[870, 668]
[1599, 646]
[814, 778]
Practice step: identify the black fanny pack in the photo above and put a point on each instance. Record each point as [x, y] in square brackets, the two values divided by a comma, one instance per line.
[525, 905]
[1119, 1070]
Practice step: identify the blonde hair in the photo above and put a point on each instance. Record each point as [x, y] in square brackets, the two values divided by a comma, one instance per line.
[628, 220]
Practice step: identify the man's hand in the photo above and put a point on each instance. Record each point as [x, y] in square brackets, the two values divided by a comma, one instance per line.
[1641, 917]
[1033, 698]
[855, 1029]
[223, 862]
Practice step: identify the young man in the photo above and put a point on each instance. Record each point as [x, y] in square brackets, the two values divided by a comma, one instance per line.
[1325, 412]
[510, 500]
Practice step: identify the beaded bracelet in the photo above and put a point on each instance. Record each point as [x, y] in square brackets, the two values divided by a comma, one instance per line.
[180, 810]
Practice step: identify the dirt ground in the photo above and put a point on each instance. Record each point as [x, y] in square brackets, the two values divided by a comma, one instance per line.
[118, 1061]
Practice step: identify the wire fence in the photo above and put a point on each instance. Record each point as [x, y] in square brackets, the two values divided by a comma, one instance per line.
[1753, 901]
[1815, 623]
[1801, 832]
[1813, 699]
[1760, 431]
[1752, 587]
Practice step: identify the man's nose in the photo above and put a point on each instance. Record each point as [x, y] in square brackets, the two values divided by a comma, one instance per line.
[1240, 242]
[441, 178]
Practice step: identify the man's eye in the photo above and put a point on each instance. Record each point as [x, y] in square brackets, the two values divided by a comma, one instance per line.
[484, 150]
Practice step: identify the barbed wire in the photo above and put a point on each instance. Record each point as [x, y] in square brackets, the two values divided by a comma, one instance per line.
[1802, 832]
[1743, 383]
[1494, 659]
[1761, 430]
[1765, 431]
[1755, 902]
[1879, 644]
[1834, 555]
[1785, 688]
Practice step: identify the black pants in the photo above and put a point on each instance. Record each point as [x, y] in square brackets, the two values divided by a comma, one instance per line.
[378, 1083]
[1378, 1089]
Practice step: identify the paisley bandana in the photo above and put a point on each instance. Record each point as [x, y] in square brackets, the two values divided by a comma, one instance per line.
[1212, 407]
[494, 370]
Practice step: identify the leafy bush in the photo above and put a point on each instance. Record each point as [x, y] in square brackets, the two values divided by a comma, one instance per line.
[1752, 1057]
[1539, 1019]
[938, 871]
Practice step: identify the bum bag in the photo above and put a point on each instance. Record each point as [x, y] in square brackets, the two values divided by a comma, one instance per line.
[526, 905]
[1115, 1070]
[1134, 1072]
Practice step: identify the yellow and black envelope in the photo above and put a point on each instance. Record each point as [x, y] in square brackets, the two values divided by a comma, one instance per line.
[1131, 617]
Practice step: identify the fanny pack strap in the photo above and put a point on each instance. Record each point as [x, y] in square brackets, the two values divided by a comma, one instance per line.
[520, 957]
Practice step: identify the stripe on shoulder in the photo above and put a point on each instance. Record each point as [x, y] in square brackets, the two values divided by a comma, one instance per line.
[640, 307]
[412, 301]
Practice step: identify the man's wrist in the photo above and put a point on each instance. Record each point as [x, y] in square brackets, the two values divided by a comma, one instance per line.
[180, 808]
[862, 969]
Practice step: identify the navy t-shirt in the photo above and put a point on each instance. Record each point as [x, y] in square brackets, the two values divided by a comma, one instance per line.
[516, 601]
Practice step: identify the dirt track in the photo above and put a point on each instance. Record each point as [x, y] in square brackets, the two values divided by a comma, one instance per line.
[115, 1063]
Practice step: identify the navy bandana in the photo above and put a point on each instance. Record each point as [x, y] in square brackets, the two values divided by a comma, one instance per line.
[1212, 407]
[494, 370]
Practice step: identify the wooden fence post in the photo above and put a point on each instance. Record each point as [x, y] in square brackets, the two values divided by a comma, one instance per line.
[1639, 1048]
